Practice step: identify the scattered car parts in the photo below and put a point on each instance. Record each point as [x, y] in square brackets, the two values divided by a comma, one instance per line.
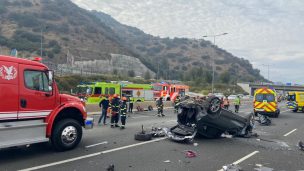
[143, 136]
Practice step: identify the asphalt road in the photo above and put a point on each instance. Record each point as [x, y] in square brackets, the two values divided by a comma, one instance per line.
[274, 148]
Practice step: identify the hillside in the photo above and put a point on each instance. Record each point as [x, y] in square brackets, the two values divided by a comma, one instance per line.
[183, 55]
[65, 27]
[95, 36]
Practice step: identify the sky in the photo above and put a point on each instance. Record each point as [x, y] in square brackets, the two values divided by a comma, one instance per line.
[266, 32]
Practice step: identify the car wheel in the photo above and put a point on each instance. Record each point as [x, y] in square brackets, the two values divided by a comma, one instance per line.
[150, 108]
[214, 106]
[66, 134]
[140, 136]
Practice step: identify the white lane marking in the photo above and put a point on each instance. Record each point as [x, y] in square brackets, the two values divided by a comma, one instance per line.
[136, 117]
[243, 158]
[133, 145]
[89, 155]
[288, 133]
[93, 145]
[61, 162]
[284, 111]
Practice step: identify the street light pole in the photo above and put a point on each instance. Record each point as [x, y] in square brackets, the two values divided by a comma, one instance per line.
[216, 35]
[267, 70]
[41, 44]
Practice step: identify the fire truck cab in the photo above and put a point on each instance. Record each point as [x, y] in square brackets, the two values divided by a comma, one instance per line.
[33, 111]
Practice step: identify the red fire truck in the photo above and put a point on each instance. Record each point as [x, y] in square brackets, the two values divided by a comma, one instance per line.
[33, 111]
[169, 91]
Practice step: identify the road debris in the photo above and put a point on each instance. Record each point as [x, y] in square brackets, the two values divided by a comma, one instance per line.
[110, 167]
[232, 167]
[190, 153]
[167, 161]
[301, 145]
[143, 135]
[195, 144]
[158, 132]
[264, 120]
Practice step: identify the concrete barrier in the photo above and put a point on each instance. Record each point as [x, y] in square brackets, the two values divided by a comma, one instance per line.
[144, 105]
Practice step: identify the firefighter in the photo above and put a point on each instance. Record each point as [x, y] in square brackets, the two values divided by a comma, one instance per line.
[123, 112]
[176, 101]
[160, 107]
[115, 111]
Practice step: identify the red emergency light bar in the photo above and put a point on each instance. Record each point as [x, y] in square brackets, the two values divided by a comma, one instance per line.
[37, 59]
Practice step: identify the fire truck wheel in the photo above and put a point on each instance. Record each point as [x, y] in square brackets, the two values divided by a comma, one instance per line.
[66, 135]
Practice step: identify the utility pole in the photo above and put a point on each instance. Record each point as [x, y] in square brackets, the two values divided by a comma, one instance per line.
[216, 35]
[157, 70]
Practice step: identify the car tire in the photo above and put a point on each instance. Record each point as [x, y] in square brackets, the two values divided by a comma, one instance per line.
[66, 134]
[140, 136]
[214, 107]
[150, 108]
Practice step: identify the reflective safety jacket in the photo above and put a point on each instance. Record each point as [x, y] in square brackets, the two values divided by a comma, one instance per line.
[177, 100]
[123, 108]
[237, 101]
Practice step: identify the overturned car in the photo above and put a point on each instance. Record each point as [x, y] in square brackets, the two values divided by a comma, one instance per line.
[208, 119]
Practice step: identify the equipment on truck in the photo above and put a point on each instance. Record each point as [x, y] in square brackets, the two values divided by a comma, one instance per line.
[35, 111]
[169, 91]
[295, 101]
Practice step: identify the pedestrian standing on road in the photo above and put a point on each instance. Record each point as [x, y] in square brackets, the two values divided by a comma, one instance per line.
[131, 104]
[226, 103]
[176, 101]
[115, 111]
[237, 103]
[123, 112]
[160, 107]
[104, 104]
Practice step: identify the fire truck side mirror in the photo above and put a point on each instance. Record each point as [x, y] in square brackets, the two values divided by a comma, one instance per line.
[51, 80]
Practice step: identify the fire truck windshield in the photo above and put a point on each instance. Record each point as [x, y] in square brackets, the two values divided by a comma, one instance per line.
[158, 88]
[89, 90]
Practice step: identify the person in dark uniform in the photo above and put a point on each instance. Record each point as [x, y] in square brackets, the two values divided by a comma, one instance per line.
[115, 111]
[176, 101]
[123, 112]
[160, 107]
[104, 104]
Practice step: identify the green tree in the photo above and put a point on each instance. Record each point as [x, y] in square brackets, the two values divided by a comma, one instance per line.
[147, 75]
[115, 72]
[208, 76]
[225, 77]
[131, 73]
